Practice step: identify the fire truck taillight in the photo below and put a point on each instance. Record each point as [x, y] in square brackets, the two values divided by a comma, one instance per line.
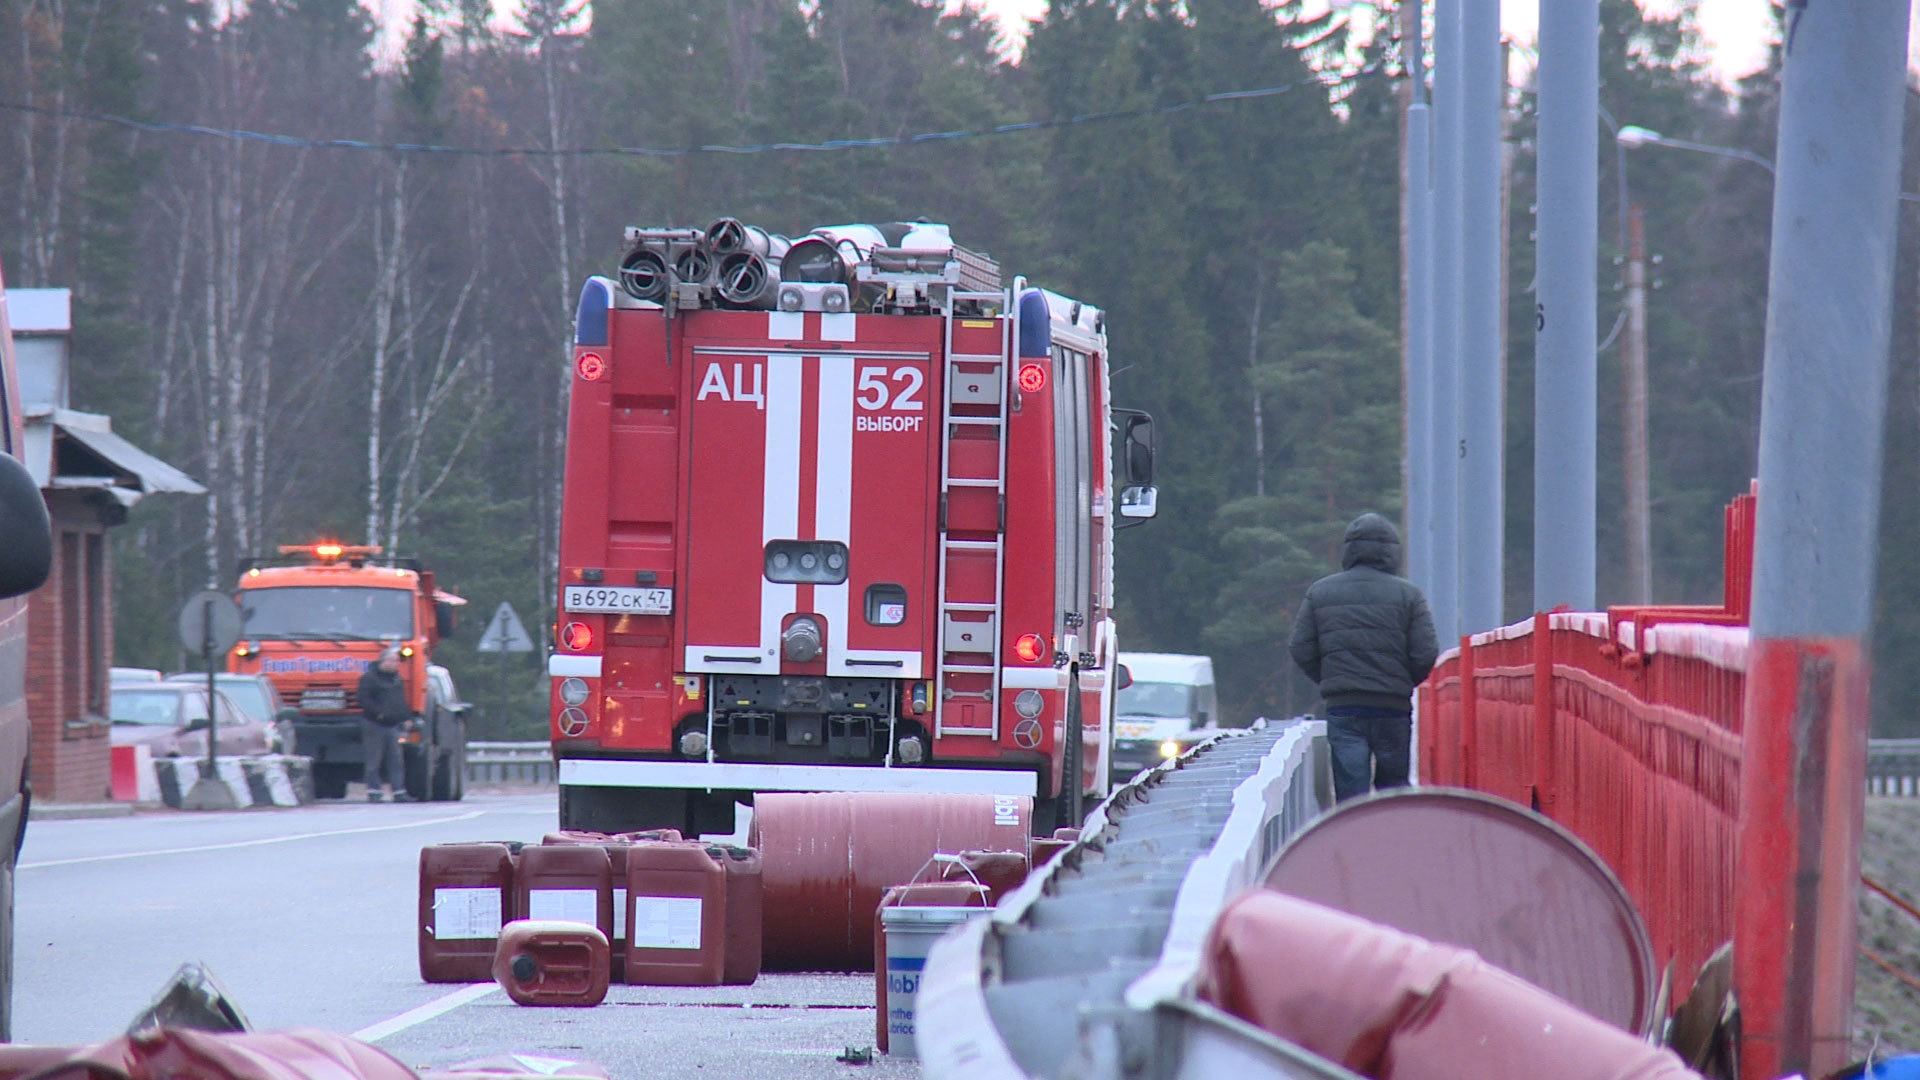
[576, 636]
[1030, 648]
[1027, 703]
[1033, 378]
[573, 691]
[592, 367]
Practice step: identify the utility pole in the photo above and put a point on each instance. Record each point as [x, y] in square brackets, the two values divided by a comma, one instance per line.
[1633, 418]
[1822, 416]
[1565, 374]
[1482, 370]
[1419, 278]
[1443, 595]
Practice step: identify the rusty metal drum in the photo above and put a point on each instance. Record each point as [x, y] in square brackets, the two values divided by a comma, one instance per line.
[1467, 869]
[827, 858]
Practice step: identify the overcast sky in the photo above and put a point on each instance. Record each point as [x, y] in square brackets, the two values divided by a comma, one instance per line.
[1735, 30]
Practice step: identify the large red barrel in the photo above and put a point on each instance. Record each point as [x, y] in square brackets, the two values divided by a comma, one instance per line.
[829, 857]
[466, 895]
[552, 963]
[926, 894]
[566, 883]
[744, 907]
[676, 915]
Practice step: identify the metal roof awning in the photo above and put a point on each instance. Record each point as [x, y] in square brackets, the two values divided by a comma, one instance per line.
[106, 462]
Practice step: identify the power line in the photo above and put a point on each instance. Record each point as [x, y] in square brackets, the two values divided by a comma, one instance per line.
[163, 127]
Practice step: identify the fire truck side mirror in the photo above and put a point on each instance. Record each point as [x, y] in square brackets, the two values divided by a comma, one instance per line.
[443, 620]
[1137, 438]
[26, 538]
[1139, 501]
[1123, 677]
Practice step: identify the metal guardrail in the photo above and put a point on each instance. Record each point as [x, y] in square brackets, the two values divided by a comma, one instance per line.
[1087, 970]
[1893, 767]
[510, 762]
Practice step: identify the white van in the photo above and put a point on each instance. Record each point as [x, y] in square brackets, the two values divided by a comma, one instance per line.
[1168, 704]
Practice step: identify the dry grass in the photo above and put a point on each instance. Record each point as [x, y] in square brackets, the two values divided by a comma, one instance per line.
[1885, 1008]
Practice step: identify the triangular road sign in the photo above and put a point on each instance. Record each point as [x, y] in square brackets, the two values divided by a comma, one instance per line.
[504, 633]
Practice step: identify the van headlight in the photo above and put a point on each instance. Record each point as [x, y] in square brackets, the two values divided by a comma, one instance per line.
[1170, 748]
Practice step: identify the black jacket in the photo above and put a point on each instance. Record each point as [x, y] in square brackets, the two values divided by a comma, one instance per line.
[382, 699]
[1363, 634]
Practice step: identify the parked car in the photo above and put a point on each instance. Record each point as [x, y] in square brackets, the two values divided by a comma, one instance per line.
[171, 719]
[1166, 704]
[442, 680]
[119, 675]
[254, 695]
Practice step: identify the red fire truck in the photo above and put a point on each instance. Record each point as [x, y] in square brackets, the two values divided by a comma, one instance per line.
[838, 516]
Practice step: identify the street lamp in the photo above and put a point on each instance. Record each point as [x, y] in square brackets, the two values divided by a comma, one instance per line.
[1633, 137]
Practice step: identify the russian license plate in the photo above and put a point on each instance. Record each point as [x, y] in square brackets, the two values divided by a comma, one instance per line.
[1132, 729]
[619, 599]
[323, 700]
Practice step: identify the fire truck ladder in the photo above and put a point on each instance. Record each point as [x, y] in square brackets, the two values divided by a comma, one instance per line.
[974, 401]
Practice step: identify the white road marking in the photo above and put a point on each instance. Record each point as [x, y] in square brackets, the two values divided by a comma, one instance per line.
[468, 816]
[420, 1015]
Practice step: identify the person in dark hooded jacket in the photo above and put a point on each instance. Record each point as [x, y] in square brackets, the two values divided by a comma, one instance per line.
[1365, 636]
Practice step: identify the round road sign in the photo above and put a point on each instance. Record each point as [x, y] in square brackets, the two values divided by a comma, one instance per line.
[210, 622]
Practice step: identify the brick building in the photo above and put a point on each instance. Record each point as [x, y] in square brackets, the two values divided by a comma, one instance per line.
[90, 478]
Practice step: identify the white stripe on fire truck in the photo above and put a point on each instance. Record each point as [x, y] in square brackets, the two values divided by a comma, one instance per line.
[786, 325]
[837, 326]
[1027, 678]
[833, 495]
[780, 514]
[560, 666]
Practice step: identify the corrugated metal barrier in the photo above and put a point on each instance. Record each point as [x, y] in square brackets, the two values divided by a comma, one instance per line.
[1893, 767]
[503, 762]
[1087, 969]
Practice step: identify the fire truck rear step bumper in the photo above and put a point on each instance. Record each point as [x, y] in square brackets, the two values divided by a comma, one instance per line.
[746, 776]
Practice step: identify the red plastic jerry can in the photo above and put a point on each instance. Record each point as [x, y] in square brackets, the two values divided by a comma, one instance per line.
[552, 963]
[676, 915]
[1000, 871]
[1042, 850]
[466, 895]
[566, 882]
[742, 965]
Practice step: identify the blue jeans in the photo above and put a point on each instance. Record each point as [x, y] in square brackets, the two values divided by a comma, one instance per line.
[1371, 748]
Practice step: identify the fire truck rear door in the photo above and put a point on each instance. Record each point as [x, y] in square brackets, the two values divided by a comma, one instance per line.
[811, 449]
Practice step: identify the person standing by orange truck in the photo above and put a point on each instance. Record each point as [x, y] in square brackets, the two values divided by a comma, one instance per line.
[383, 706]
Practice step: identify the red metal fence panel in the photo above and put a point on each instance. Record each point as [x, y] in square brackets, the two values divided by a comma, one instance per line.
[1624, 727]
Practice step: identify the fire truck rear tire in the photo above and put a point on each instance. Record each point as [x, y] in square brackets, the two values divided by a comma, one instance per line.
[1069, 804]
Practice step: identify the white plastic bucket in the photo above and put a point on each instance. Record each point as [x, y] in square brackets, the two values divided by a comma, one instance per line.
[908, 934]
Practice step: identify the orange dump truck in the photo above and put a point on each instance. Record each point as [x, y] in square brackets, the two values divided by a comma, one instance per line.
[314, 619]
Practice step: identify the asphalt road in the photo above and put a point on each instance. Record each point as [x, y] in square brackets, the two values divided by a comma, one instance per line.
[306, 917]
